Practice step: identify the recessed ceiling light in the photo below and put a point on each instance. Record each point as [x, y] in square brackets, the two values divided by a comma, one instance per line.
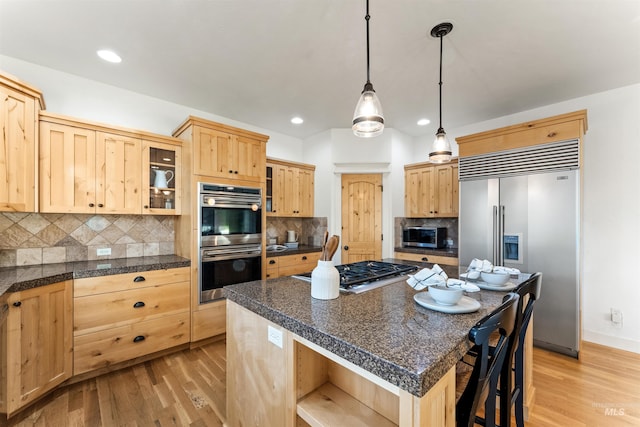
[423, 122]
[297, 120]
[109, 56]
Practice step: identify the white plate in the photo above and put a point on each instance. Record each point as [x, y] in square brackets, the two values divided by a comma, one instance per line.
[465, 305]
[504, 288]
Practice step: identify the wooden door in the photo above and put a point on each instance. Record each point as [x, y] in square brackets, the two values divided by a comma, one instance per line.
[17, 151]
[361, 217]
[290, 200]
[279, 192]
[67, 169]
[118, 174]
[210, 152]
[443, 191]
[419, 192]
[39, 333]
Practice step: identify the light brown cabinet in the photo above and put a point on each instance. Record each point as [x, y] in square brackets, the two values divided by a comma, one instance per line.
[90, 168]
[124, 316]
[19, 109]
[431, 191]
[290, 188]
[434, 259]
[161, 178]
[37, 344]
[228, 155]
[287, 265]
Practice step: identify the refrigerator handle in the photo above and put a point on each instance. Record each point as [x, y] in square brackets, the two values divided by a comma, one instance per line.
[495, 235]
[501, 236]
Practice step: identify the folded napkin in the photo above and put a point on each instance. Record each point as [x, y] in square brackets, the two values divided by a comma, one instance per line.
[502, 269]
[465, 286]
[427, 277]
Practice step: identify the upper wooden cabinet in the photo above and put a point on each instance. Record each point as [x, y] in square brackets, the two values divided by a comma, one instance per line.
[91, 168]
[36, 343]
[551, 129]
[431, 190]
[161, 178]
[18, 144]
[290, 189]
[224, 151]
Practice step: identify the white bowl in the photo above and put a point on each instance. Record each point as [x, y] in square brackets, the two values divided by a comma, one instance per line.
[444, 295]
[496, 279]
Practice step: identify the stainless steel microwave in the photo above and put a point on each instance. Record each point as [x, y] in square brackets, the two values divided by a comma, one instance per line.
[424, 237]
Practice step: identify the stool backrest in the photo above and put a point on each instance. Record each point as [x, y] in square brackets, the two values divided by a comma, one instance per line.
[489, 361]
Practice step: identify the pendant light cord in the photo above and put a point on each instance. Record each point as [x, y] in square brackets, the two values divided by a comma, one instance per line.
[440, 84]
[366, 18]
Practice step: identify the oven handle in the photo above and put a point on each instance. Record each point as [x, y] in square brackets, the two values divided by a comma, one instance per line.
[225, 256]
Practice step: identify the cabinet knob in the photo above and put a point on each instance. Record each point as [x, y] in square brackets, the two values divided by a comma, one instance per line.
[91, 205]
[146, 206]
[230, 171]
[236, 172]
[304, 258]
[551, 134]
[346, 248]
[100, 205]
[272, 261]
[17, 304]
[138, 338]
[139, 304]
[139, 279]
[425, 259]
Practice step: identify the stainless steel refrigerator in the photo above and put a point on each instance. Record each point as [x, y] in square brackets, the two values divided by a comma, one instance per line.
[529, 221]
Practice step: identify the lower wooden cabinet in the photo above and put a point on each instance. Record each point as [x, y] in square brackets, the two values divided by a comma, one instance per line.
[209, 320]
[435, 259]
[124, 316]
[287, 265]
[36, 342]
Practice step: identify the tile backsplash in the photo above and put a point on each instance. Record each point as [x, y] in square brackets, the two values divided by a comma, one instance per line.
[33, 238]
[309, 230]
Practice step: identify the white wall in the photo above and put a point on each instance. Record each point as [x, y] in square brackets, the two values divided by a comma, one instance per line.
[90, 100]
[611, 208]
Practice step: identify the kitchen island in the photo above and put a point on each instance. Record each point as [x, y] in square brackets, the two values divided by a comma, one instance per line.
[375, 358]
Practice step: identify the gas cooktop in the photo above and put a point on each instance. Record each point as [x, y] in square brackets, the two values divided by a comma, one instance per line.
[365, 275]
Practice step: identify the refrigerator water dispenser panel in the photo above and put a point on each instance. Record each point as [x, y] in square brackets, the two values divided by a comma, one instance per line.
[513, 248]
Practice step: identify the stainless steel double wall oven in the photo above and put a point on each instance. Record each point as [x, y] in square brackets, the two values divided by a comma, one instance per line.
[230, 230]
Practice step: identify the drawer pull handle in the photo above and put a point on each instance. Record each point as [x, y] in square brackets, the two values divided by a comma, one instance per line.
[17, 304]
[272, 261]
[138, 338]
[139, 279]
[425, 259]
[304, 258]
[138, 304]
[551, 134]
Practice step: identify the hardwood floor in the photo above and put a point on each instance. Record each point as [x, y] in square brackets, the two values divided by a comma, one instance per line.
[187, 388]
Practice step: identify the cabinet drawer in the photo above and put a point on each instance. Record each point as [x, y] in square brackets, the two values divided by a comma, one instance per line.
[434, 259]
[96, 312]
[105, 348]
[310, 258]
[121, 282]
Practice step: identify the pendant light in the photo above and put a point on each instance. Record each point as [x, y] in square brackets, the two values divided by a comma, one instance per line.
[441, 150]
[367, 118]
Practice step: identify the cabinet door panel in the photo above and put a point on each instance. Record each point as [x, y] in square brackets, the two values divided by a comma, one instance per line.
[17, 151]
[118, 177]
[67, 169]
[39, 334]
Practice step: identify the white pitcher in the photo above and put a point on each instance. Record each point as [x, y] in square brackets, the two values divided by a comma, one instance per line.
[161, 180]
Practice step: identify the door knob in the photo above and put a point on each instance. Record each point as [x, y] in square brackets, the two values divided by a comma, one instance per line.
[346, 248]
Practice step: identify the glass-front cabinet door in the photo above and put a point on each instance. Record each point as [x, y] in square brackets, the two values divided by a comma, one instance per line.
[161, 178]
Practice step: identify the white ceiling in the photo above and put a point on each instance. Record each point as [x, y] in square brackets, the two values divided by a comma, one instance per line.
[264, 61]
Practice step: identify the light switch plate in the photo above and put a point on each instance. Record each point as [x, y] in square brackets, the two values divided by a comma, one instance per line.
[274, 336]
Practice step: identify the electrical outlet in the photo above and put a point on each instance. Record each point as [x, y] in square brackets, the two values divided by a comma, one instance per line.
[103, 251]
[616, 316]
[274, 336]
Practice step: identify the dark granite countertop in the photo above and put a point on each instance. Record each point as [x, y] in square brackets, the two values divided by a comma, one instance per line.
[302, 249]
[450, 252]
[14, 279]
[383, 330]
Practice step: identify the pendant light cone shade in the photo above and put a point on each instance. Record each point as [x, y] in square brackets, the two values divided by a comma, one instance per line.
[441, 150]
[367, 118]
